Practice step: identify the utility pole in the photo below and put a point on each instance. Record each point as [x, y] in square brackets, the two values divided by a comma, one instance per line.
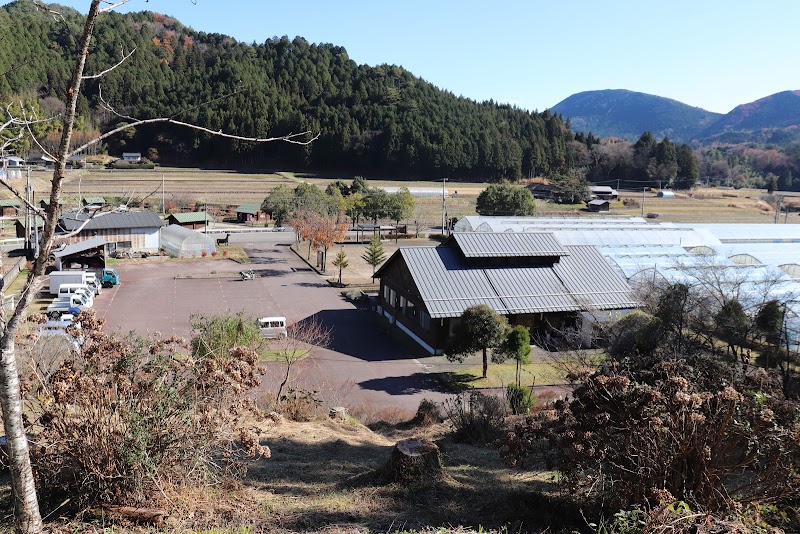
[163, 208]
[643, 190]
[778, 208]
[28, 211]
[444, 206]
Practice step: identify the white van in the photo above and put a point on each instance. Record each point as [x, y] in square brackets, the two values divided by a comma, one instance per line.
[78, 289]
[273, 327]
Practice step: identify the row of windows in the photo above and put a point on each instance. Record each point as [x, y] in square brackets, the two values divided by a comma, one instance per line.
[406, 307]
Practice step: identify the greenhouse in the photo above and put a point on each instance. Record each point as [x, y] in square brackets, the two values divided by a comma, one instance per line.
[184, 243]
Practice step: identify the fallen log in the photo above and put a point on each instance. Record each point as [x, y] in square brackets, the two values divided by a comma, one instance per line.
[147, 516]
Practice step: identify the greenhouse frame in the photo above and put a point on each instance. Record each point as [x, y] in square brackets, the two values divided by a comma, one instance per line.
[185, 243]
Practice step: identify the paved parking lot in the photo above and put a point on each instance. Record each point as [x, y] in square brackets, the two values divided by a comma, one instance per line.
[363, 364]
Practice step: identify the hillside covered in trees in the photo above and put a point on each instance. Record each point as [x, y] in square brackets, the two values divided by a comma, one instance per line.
[380, 120]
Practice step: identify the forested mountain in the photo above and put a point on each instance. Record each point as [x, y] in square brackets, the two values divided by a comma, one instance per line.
[626, 114]
[380, 120]
[773, 119]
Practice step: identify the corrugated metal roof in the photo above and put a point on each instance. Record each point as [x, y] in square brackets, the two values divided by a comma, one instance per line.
[489, 245]
[94, 200]
[112, 221]
[531, 290]
[249, 208]
[190, 217]
[593, 281]
[449, 286]
[10, 203]
[80, 246]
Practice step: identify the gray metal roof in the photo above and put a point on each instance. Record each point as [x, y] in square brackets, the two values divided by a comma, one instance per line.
[80, 246]
[592, 280]
[112, 221]
[486, 245]
[583, 280]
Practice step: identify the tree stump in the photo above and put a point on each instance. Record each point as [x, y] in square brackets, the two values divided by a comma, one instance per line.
[413, 460]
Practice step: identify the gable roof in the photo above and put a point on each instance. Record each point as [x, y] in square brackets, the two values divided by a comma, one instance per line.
[111, 221]
[504, 245]
[251, 208]
[189, 217]
[598, 202]
[10, 203]
[94, 200]
[582, 280]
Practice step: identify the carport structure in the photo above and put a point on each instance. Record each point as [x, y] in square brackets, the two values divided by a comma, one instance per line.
[90, 253]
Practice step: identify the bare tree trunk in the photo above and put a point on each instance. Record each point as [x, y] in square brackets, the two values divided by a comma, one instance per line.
[485, 363]
[26, 507]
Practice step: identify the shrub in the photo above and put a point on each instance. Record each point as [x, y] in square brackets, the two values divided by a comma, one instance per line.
[520, 399]
[299, 405]
[428, 413]
[683, 427]
[204, 253]
[475, 417]
[129, 415]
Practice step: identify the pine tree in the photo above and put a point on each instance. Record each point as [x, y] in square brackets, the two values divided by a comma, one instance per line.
[341, 262]
[374, 255]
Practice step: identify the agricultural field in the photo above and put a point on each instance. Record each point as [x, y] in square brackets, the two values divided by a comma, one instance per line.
[223, 189]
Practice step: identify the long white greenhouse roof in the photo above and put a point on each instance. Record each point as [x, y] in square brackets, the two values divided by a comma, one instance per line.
[750, 233]
[767, 253]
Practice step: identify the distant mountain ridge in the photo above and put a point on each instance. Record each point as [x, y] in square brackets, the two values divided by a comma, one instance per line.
[628, 114]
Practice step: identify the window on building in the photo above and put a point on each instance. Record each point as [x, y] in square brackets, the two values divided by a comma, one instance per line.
[392, 298]
[403, 305]
[386, 293]
[411, 310]
[425, 320]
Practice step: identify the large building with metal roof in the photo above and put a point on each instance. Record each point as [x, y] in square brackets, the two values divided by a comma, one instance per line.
[135, 230]
[530, 278]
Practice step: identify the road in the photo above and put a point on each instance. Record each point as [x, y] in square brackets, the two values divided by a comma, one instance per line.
[364, 363]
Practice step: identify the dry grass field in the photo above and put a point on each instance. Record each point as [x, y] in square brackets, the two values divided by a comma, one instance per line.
[224, 189]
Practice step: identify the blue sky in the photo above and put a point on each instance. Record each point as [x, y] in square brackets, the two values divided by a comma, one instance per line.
[534, 53]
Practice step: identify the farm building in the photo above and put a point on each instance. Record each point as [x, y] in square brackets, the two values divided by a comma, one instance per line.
[598, 205]
[89, 254]
[19, 226]
[665, 193]
[419, 192]
[530, 278]
[603, 192]
[12, 162]
[192, 219]
[132, 157]
[45, 202]
[40, 159]
[9, 207]
[761, 260]
[181, 242]
[94, 201]
[135, 230]
[250, 213]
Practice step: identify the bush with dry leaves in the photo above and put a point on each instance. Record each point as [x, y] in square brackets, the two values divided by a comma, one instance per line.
[129, 416]
[693, 427]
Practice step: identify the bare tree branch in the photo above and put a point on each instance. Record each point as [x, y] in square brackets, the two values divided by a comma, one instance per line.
[121, 61]
[288, 138]
[112, 7]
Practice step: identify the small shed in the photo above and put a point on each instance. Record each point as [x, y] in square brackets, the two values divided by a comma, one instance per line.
[12, 162]
[45, 203]
[598, 205]
[603, 192]
[250, 213]
[94, 201]
[192, 219]
[132, 157]
[19, 225]
[185, 243]
[666, 193]
[9, 207]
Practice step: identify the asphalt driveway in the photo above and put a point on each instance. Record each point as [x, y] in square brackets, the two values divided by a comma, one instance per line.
[365, 363]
